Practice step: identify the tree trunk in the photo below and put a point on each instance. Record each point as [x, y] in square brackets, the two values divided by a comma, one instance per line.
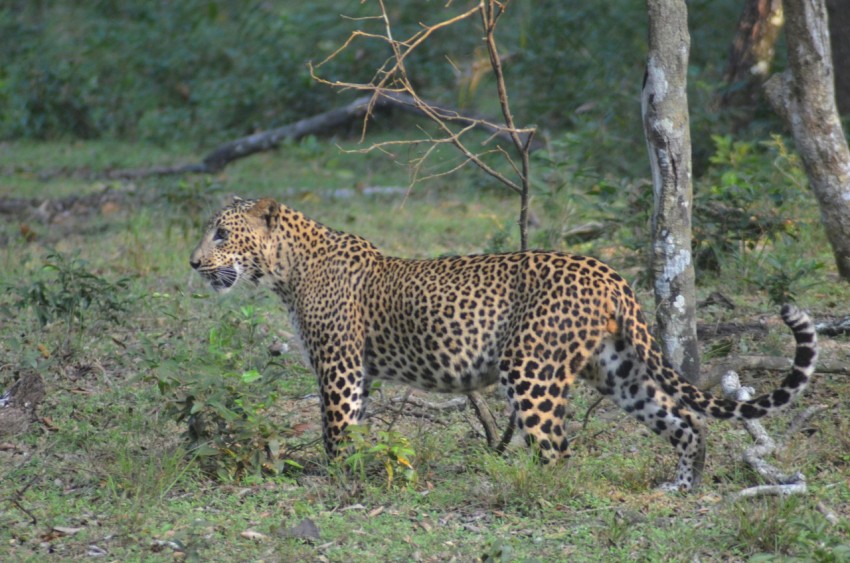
[839, 31]
[804, 95]
[751, 55]
[664, 107]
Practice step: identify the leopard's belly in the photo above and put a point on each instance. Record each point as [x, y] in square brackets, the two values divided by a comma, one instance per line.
[423, 361]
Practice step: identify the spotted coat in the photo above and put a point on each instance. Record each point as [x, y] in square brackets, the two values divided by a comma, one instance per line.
[532, 321]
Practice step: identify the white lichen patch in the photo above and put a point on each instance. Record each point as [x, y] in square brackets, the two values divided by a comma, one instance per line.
[677, 262]
[656, 80]
[679, 303]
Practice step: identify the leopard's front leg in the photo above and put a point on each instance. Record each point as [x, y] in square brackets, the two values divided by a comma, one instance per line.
[343, 401]
[334, 344]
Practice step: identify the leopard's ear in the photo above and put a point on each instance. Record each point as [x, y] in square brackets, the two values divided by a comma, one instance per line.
[266, 209]
[237, 199]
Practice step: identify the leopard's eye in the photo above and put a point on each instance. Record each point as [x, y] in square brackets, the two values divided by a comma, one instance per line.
[220, 234]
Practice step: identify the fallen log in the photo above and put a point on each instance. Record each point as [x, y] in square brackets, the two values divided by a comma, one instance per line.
[47, 209]
[216, 160]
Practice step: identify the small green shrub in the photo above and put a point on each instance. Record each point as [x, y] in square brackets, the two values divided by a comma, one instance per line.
[228, 428]
[68, 290]
[747, 199]
[225, 406]
[782, 280]
[388, 449]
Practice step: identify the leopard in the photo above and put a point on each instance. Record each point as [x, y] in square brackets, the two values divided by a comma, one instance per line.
[532, 321]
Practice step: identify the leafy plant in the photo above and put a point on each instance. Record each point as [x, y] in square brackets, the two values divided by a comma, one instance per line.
[783, 280]
[748, 199]
[389, 449]
[225, 407]
[68, 290]
[227, 424]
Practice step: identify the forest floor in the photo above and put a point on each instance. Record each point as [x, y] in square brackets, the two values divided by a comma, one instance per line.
[99, 302]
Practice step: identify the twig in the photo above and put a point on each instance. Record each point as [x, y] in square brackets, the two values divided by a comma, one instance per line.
[298, 447]
[397, 412]
[590, 409]
[482, 411]
[507, 435]
[18, 505]
[408, 413]
[827, 513]
[490, 14]
[15, 499]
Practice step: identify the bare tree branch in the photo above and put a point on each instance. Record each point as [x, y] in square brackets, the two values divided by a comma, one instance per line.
[490, 16]
[392, 81]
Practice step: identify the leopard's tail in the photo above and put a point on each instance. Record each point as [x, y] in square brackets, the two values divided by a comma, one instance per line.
[792, 386]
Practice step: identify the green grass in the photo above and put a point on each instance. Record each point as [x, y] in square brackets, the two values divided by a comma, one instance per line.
[107, 462]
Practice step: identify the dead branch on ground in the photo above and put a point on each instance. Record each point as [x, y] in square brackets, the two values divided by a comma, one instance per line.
[455, 404]
[835, 327]
[364, 107]
[778, 483]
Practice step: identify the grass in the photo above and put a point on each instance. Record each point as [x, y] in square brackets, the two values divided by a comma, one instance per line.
[105, 470]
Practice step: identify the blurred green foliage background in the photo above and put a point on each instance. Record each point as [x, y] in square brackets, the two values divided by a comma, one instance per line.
[202, 71]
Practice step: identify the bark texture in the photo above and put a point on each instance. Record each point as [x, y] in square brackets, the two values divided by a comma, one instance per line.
[804, 95]
[664, 107]
[839, 31]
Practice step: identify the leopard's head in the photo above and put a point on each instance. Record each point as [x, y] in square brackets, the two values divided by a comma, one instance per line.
[232, 248]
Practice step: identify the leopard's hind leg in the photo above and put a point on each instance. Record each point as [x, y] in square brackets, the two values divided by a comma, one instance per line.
[617, 374]
[537, 392]
[539, 365]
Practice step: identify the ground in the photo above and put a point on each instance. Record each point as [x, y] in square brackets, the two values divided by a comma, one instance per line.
[104, 471]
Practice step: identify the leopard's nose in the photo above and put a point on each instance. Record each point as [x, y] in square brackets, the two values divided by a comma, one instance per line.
[195, 264]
